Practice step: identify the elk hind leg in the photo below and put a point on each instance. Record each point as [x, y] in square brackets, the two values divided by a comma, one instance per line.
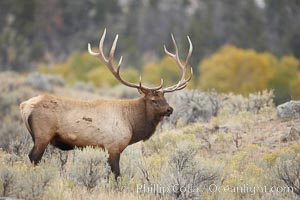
[37, 152]
[40, 144]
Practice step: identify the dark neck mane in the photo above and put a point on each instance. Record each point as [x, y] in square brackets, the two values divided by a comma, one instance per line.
[143, 123]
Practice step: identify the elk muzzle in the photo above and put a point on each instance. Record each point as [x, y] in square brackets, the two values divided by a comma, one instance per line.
[169, 111]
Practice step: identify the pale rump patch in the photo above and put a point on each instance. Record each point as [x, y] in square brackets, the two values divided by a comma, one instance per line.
[26, 108]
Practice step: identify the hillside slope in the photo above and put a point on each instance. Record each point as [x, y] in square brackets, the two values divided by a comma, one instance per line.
[238, 153]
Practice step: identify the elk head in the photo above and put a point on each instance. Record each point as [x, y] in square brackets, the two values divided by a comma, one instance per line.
[154, 97]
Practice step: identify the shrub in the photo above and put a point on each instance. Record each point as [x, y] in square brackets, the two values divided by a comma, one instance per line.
[165, 143]
[11, 99]
[259, 100]
[34, 181]
[253, 103]
[288, 170]
[90, 167]
[151, 167]
[7, 181]
[55, 80]
[185, 171]
[191, 106]
[203, 134]
[83, 86]
[129, 161]
[120, 91]
[39, 81]
[10, 131]
[21, 144]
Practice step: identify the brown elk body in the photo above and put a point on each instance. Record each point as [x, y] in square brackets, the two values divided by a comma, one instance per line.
[109, 124]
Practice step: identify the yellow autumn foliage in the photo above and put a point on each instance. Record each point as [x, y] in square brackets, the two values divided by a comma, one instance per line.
[166, 69]
[286, 79]
[244, 71]
[84, 67]
[295, 85]
[232, 69]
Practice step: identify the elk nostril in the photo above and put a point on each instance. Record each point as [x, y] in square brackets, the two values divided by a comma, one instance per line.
[170, 110]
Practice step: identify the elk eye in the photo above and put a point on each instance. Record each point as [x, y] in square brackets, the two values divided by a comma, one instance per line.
[154, 102]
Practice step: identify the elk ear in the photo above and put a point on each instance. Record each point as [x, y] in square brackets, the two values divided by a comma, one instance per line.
[143, 91]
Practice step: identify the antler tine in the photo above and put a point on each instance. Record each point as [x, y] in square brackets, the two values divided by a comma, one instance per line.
[190, 52]
[101, 47]
[113, 48]
[175, 46]
[140, 83]
[90, 50]
[182, 83]
[109, 62]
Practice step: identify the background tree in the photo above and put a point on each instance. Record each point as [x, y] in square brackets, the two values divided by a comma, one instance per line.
[166, 69]
[282, 27]
[216, 23]
[32, 32]
[286, 79]
[237, 70]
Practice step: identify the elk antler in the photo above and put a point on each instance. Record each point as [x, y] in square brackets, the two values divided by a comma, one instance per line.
[109, 62]
[183, 82]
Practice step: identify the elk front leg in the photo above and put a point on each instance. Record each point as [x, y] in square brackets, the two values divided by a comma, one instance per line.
[113, 161]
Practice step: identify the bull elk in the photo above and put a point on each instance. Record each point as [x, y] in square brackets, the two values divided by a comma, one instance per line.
[108, 124]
